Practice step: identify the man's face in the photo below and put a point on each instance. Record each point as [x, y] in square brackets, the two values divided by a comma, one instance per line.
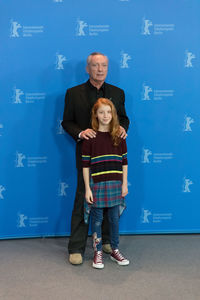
[98, 68]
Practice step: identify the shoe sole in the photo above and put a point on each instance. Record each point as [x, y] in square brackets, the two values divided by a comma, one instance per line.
[120, 263]
[75, 263]
[96, 266]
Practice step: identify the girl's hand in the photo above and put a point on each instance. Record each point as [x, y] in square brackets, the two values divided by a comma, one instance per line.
[124, 190]
[89, 196]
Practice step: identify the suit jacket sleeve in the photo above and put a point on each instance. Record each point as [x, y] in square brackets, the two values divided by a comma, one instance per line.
[68, 123]
[123, 119]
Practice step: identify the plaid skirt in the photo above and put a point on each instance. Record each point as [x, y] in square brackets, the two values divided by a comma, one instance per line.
[105, 194]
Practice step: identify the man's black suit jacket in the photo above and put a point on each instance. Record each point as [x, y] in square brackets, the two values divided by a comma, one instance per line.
[77, 112]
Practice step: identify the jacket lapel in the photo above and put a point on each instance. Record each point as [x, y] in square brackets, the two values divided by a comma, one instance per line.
[84, 95]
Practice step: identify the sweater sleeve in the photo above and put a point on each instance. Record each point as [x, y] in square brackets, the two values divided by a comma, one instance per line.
[86, 153]
[124, 152]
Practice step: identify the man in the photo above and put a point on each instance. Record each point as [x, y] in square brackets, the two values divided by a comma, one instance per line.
[76, 121]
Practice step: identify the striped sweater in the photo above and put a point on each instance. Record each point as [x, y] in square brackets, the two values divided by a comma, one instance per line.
[104, 160]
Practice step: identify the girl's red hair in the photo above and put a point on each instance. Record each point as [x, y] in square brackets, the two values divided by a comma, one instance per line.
[114, 124]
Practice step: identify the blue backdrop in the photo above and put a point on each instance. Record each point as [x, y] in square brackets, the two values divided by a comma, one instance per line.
[153, 48]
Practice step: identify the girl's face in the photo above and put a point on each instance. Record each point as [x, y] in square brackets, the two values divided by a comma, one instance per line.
[104, 115]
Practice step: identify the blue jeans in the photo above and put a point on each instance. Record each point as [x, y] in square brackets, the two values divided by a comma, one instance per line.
[97, 218]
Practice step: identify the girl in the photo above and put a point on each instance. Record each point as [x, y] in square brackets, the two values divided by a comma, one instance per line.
[104, 159]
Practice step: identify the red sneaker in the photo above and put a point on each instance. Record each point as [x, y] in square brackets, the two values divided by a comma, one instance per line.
[119, 258]
[98, 260]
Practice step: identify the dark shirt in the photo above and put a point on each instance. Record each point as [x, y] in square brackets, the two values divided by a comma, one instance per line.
[94, 94]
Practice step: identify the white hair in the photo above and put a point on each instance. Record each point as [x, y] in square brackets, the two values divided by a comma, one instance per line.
[94, 54]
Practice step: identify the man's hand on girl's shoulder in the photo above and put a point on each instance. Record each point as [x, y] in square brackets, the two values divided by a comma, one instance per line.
[122, 133]
[88, 134]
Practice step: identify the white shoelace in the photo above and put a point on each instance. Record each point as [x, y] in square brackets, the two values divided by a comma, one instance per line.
[120, 256]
